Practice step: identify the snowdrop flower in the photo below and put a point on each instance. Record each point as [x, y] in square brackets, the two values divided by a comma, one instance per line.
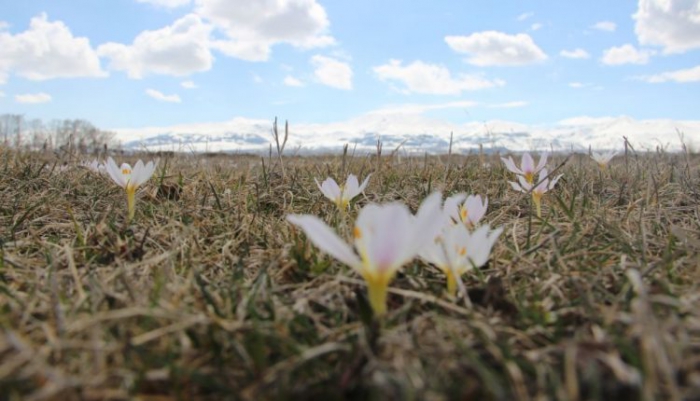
[527, 166]
[342, 195]
[130, 179]
[385, 238]
[458, 250]
[543, 185]
[603, 158]
[469, 212]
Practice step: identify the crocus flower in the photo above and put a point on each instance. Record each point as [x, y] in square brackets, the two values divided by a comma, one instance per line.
[603, 158]
[457, 250]
[527, 166]
[544, 184]
[95, 166]
[130, 179]
[469, 211]
[385, 238]
[342, 195]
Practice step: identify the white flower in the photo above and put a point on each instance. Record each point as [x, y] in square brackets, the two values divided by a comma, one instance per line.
[130, 178]
[457, 250]
[95, 166]
[385, 238]
[527, 166]
[603, 158]
[469, 212]
[342, 196]
[544, 184]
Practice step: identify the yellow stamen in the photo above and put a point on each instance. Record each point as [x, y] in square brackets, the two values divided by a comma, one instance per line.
[126, 171]
[356, 233]
[463, 213]
[529, 177]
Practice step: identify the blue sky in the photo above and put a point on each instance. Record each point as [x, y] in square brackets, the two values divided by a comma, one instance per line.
[159, 63]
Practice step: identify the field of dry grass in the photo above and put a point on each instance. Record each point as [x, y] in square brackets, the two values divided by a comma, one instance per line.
[211, 294]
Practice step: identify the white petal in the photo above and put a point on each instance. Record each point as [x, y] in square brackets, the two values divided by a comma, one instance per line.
[364, 183]
[388, 229]
[427, 223]
[517, 187]
[115, 172]
[142, 173]
[476, 209]
[330, 189]
[543, 161]
[527, 164]
[554, 181]
[432, 252]
[452, 206]
[510, 165]
[526, 186]
[351, 188]
[327, 240]
[137, 173]
[480, 243]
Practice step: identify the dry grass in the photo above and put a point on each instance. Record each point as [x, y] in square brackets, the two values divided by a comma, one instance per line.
[211, 294]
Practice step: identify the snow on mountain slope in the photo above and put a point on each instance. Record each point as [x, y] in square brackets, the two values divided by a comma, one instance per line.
[416, 133]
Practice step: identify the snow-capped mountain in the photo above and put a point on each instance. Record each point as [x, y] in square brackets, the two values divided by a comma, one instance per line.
[417, 133]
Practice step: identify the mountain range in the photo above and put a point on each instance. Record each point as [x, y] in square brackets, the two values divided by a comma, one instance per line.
[416, 133]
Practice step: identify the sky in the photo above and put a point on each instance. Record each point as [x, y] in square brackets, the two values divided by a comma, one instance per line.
[132, 64]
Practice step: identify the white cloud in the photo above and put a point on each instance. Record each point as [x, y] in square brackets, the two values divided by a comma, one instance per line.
[189, 85]
[412, 108]
[257, 78]
[625, 54]
[576, 53]
[2, 94]
[605, 26]
[291, 81]
[524, 16]
[166, 3]
[162, 97]
[420, 77]
[536, 26]
[253, 27]
[679, 76]
[577, 85]
[671, 24]
[179, 49]
[47, 50]
[332, 72]
[586, 120]
[33, 98]
[497, 48]
[509, 105]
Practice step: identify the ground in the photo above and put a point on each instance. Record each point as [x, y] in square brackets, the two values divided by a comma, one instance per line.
[209, 293]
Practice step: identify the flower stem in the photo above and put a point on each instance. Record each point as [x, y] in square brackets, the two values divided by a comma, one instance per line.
[131, 203]
[377, 288]
[451, 283]
[538, 204]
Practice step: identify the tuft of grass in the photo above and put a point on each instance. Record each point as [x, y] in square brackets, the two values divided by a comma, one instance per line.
[211, 294]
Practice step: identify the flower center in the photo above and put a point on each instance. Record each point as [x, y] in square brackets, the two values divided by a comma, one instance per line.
[463, 213]
[529, 176]
[462, 251]
[356, 233]
[126, 171]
